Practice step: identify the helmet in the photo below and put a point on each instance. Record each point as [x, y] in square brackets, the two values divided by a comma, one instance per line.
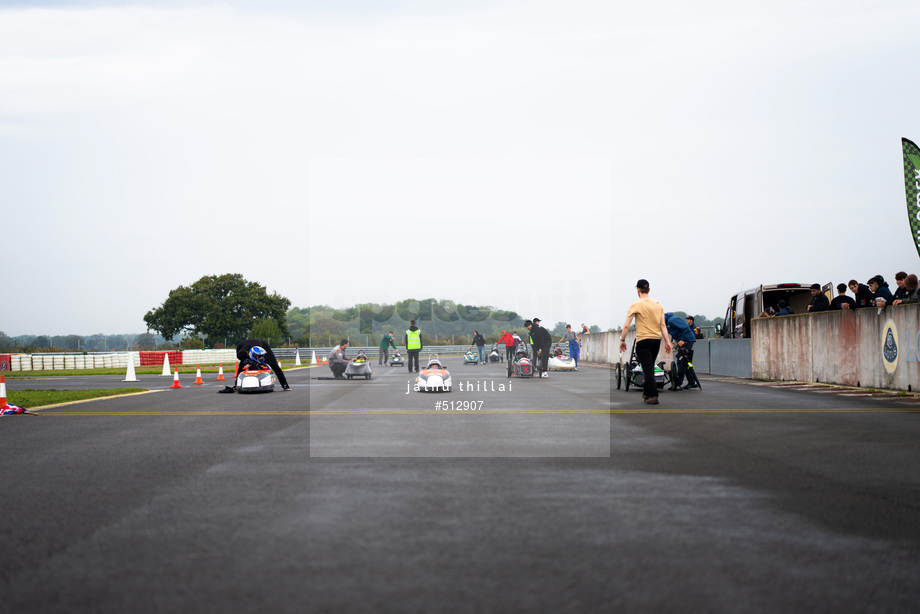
[257, 354]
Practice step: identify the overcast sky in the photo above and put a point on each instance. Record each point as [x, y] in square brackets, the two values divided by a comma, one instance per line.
[535, 156]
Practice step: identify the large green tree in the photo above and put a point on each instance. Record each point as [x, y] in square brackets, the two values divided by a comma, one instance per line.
[218, 307]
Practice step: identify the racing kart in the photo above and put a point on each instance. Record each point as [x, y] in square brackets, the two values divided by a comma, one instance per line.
[255, 380]
[559, 361]
[434, 377]
[495, 356]
[359, 367]
[397, 360]
[471, 357]
[520, 365]
[630, 373]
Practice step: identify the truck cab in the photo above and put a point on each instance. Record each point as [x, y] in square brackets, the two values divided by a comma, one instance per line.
[749, 304]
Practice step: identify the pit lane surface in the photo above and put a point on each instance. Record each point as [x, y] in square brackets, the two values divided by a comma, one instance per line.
[558, 495]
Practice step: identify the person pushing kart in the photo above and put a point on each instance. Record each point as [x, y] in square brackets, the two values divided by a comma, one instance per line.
[256, 353]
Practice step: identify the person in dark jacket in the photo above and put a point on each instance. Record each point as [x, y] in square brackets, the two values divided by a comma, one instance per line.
[696, 329]
[842, 301]
[542, 341]
[480, 342]
[819, 300]
[879, 288]
[683, 336]
[900, 292]
[247, 354]
[862, 293]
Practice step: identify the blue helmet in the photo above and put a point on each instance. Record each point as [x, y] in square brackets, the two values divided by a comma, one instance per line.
[257, 354]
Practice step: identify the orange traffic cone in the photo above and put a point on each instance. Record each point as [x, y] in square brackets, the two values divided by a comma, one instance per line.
[325, 360]
[198, 381]
[176, 383]
[220, 375]
[3, 403]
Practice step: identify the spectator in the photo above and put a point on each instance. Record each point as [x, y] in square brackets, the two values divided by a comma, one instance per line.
[783, 309]
[879, 288]
[910, 285]
[900, 293]
[819, 300]
[696, 329]
[584, 329]
[862, 293]
[842, 301]
[651, 330]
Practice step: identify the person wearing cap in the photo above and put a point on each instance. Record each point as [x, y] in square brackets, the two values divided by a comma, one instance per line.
[650, 330]
[819, 300]
[508, 340]
[541, 341]
[880, 292]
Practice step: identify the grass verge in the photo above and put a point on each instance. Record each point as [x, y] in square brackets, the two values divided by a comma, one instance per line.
[31, 399]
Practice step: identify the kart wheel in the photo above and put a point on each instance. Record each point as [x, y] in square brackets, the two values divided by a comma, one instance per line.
[619, 375]
[367, 377]
[628, 375]
[348, 376]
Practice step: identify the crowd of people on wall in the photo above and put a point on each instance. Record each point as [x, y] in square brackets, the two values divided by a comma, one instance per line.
[873, 293]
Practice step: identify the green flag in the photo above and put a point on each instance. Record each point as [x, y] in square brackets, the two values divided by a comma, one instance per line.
[912, 187]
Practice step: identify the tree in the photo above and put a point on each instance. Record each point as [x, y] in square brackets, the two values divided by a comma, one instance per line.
[218, 308]
[324, 331]
[268, 330]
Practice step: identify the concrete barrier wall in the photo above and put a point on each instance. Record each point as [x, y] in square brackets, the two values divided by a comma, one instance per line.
[47, 362]
[841, 347]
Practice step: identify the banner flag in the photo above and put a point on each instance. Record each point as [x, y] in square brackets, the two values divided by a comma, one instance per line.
[912, 187]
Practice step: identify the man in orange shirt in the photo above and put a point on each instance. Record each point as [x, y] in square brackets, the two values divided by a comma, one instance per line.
[650, 330]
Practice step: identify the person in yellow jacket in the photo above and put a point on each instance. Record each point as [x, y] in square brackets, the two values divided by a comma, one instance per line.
[413, 345]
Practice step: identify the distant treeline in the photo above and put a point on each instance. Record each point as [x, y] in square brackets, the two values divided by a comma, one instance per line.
[28, 344]
[441, 321]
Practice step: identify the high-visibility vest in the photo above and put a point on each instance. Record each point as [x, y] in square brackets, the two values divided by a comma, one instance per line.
[413, 339]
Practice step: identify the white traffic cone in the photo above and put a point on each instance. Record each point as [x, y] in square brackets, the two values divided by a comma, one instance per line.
[297, 359]
[130, 376]
[166, 370]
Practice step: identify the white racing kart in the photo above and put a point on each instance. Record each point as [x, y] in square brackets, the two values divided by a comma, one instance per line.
[359, 367]
[255, 380]
[560, 362]
[434, 377]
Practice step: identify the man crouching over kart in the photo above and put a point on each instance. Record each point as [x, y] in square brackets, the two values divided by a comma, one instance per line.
[337, 361]
[256, 353]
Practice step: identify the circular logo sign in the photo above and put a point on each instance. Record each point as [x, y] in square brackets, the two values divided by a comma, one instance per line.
[890, 346]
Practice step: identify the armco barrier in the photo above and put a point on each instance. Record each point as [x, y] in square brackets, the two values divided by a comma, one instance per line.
[862, 347]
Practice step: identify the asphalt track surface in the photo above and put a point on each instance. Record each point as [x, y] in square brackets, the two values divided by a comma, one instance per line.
[559, 495]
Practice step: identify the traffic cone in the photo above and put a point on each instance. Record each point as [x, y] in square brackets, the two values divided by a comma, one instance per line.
[130, 376]
[198, 381]
[297, 359]
[3, 403]
[325, 361]
[166, 365]
[176, 383]
[220, 374]
[314, 359]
